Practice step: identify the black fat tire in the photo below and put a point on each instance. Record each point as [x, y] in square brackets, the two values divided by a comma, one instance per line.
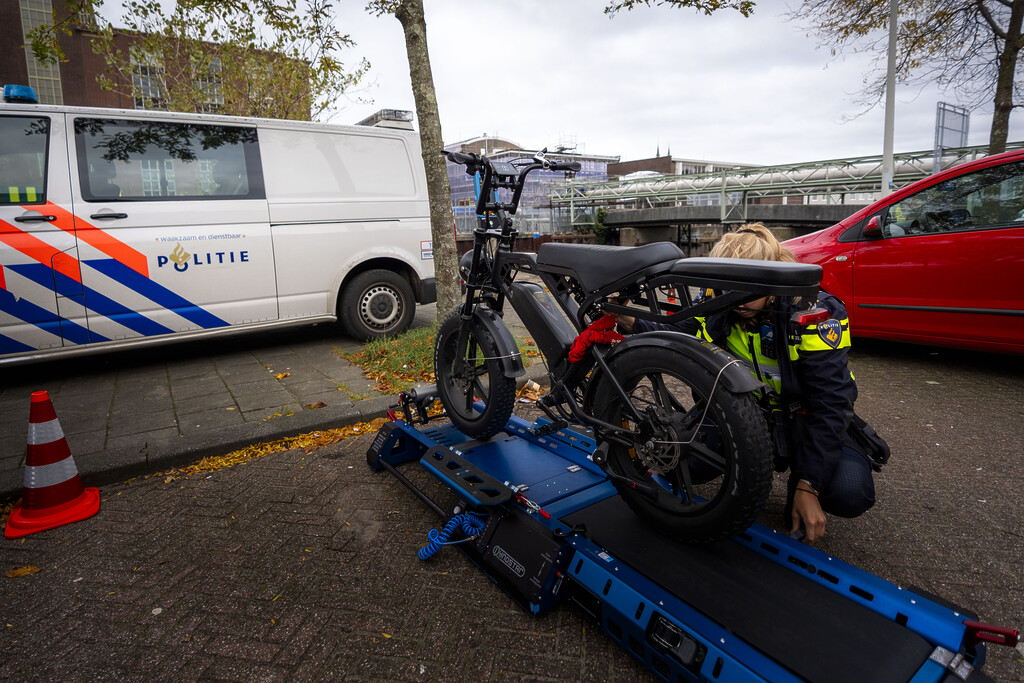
[739, 494]
[377, 303]
[484, 380]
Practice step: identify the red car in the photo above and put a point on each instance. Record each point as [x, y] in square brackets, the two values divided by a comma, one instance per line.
[940, 261]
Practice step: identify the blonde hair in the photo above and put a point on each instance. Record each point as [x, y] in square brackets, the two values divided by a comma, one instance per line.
[752, 241]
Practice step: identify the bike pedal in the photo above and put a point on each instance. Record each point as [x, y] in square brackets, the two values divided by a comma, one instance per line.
[550, 427]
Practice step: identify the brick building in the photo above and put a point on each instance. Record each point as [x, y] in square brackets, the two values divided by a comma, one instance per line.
[143, 81]
[670, 165]
[72, 82]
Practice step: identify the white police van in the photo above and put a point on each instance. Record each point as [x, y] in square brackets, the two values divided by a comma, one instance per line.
[121, 226]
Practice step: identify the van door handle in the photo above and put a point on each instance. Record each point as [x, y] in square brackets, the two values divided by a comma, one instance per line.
[35, 218]
[108, 215]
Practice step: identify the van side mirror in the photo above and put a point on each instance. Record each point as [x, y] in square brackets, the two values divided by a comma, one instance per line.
[873, 229]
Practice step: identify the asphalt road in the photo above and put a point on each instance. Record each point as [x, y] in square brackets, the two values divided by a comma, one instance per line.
[302, 566]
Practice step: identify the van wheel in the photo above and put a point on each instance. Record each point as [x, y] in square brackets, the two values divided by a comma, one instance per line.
[375, 304]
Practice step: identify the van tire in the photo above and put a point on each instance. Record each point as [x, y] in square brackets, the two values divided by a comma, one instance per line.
[377, 303]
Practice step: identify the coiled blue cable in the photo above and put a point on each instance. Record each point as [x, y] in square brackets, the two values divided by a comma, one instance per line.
[471, 526]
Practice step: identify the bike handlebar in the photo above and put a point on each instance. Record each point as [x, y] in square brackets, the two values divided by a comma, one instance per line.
[502, 174]
[474, 162]
[573, 166]
[468, 160]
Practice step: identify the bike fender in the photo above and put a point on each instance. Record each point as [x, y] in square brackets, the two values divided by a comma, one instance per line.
[734, 376]
[511, 361]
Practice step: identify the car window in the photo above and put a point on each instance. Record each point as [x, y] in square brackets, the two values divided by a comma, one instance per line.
[123, 160]
[991, 197]
[23, 142]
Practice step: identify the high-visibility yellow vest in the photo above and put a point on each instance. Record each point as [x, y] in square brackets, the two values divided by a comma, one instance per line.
[16, 195]
[745, 344]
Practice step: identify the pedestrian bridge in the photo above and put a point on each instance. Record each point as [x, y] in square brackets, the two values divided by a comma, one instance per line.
[810, 194]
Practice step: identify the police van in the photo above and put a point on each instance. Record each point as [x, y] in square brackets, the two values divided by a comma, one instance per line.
[121, 226]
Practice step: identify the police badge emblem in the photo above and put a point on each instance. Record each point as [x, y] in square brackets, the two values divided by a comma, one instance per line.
[831, 332]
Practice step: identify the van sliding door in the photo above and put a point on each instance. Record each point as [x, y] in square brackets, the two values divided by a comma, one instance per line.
[173, 226]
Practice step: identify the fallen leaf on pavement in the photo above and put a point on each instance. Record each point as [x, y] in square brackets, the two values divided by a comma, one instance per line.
[23, 571]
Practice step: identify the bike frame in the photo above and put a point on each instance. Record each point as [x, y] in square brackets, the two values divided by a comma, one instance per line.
[493, 284]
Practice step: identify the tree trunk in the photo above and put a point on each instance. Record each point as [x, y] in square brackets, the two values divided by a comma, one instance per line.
[1004, 82]
[442, 222]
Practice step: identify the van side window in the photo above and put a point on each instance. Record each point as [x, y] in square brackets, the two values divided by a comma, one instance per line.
[23, 145]
[334, 166]
[988, 198]
[121, 160]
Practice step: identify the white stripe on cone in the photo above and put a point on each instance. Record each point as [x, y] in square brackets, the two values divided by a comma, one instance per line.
[40, 476]
[44, 432]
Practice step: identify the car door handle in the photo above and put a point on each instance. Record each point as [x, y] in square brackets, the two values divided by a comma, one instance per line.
[35, 218]
[108, 215]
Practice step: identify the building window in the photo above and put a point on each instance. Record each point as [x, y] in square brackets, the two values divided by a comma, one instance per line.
[210, 94]
[148, 81]
[45, 79]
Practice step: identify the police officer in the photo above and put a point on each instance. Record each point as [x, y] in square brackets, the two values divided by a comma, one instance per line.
[829, 473]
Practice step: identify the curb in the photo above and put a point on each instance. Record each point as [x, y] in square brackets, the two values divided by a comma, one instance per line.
[118, 464]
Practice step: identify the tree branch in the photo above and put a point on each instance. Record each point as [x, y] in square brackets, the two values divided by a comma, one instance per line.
[989, 19]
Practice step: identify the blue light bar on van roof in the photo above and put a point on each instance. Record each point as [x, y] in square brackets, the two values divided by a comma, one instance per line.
[20, 93]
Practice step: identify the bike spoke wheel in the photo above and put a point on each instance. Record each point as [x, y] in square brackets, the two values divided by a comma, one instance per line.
[700, 465]
[470, 374]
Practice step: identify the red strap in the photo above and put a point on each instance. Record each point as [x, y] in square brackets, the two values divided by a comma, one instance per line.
[601, 331]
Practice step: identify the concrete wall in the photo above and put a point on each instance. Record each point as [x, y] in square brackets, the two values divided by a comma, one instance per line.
[822, 215]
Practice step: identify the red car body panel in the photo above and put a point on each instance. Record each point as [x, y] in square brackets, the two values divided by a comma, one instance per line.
[963, 287]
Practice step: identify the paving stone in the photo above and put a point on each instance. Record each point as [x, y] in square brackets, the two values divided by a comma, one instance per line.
[84, 419]
[205, 402]
[263, 400]
[331, 397]
[312, 387]
[268, 414]
[86, 402]
[140, 439]
[186, 388]
[260, 387]
[344, 374]
[145, 421]
[204, 420]
[87, 443]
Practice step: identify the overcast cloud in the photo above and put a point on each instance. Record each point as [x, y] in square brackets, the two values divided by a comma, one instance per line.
[726, 88]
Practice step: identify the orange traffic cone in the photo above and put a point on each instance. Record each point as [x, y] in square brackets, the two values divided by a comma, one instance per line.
[53, 494]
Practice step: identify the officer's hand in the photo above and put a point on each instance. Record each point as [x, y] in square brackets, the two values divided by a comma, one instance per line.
[624, 323]
[806, 509]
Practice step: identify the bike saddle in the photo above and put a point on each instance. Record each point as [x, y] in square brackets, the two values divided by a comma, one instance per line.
[596, 265]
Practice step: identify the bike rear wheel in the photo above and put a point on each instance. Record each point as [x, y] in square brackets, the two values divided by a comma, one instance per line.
[701, 467]
[472, 374]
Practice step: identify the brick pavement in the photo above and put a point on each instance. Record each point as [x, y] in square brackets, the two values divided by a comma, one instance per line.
[292, 567]
[135, 411]
[299, 567]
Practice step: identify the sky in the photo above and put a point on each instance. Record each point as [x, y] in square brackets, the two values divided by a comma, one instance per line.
[718, 88]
